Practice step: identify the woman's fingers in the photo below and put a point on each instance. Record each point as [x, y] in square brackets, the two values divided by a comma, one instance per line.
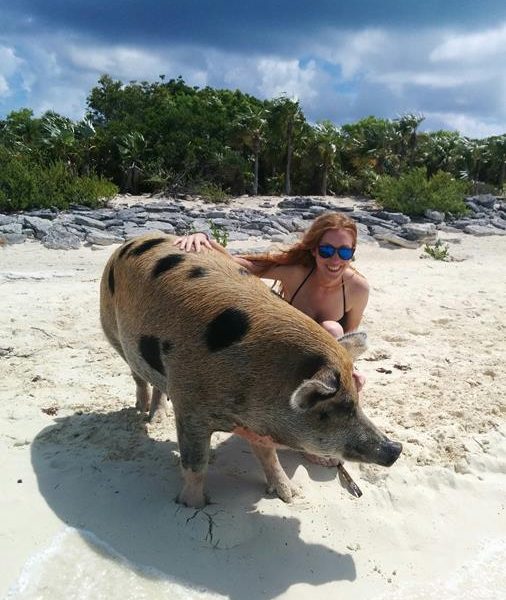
[196, 242]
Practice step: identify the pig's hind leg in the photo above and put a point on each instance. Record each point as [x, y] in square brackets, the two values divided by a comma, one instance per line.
[159, 408]
[277, 479]
[142, 393]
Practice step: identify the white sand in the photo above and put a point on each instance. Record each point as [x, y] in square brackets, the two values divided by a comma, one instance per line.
[87, 505]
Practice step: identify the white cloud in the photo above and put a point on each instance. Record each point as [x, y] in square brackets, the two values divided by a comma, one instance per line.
[475, 47]
[9, 64]
[468, 125]
[456, 79]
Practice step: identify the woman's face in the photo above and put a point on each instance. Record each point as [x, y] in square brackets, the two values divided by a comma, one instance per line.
[333, 267]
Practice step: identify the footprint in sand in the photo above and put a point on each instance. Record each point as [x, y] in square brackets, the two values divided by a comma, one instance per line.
[442, 321]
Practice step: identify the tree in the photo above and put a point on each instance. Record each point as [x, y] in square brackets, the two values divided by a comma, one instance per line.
[327, 140]
[252, 124]
[288, 121]
[405, 130]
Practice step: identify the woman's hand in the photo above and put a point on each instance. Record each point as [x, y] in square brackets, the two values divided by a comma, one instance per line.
[359, 380]
[195, 242]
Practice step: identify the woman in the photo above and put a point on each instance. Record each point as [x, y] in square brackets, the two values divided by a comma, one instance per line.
[315, 273]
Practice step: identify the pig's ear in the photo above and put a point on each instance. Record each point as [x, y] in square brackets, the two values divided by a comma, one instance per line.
[312, 391]
[355, 343]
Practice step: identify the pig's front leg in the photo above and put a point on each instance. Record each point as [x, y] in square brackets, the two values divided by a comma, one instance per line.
[194, 444]
[277, 480]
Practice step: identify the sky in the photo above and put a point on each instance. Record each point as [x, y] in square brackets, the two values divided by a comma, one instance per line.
[343, 60]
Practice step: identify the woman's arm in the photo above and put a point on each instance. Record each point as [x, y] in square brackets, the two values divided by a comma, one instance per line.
[196, 242]
[357, 301]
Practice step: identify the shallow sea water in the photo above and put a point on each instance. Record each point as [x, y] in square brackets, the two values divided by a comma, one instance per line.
[77, 564]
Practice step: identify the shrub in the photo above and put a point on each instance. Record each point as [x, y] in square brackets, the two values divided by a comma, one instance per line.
[412, 193]
[438, 251]
[26, 184]
[211, 192]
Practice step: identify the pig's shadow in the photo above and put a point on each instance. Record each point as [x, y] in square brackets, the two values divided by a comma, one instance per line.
[103, 474]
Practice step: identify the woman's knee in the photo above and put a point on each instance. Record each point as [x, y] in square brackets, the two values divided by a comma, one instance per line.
[333, 328]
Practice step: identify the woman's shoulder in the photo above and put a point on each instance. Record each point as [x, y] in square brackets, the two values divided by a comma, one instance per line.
[355, 281]
[289, 272]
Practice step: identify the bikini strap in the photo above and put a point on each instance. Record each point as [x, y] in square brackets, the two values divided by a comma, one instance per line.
[297, 290]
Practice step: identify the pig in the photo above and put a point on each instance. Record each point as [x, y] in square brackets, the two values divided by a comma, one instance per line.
[232, 356]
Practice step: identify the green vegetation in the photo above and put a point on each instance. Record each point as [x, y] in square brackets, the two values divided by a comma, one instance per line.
[219, 233]
[26, 184]
[171, 137]
[438, 251]
[412, 193]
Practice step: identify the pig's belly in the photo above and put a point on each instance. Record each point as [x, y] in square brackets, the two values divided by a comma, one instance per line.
[255, 438]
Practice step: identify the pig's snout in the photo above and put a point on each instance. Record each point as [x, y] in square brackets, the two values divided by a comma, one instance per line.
[389, 453]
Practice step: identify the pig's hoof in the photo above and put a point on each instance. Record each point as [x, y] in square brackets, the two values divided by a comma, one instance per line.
[142, 405]
[284, 490]
[158, 416]
[191, 499]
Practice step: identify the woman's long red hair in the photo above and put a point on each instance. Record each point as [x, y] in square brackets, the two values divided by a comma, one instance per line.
[300, 252]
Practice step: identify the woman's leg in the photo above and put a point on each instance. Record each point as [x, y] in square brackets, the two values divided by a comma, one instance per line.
[333, 328]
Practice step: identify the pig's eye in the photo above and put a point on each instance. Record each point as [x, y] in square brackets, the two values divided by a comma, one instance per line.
[324, 416]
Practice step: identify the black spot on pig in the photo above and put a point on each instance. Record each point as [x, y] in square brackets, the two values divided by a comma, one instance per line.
[125, 249]
[227, 328]
[110, 280]
[147, 245]
[198, 272]
[149, 347]
[167, 263]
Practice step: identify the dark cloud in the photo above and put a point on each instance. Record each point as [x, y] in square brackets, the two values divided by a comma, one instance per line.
[265, 24]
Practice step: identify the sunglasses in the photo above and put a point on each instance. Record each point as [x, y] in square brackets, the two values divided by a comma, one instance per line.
[344, 252]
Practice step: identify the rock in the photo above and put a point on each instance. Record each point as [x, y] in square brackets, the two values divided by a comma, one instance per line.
[482, 230]
[434, 215]
[11, 228]
[89, 222]
[419, 232]
[39, 226]
[395, 217]
[161, 207]
[486, 200]
[7, 220]
[237, 236]
[13, 238]
[159, 225]
[498, 222]
[103, 239]
[389, 236]
[59, 238]
[139, 231]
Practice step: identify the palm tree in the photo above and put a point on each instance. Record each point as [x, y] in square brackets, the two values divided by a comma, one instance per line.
[252, 124]
[405, 129]
[496, 154]
[132, 147]
[289, 120]
[327, 140]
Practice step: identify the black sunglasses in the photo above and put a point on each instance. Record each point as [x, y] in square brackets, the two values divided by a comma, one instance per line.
[344, 252]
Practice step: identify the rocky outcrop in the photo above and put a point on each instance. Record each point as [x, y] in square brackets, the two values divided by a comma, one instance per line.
[275, 221]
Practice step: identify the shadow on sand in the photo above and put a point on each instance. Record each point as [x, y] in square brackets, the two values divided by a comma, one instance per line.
[103, 474]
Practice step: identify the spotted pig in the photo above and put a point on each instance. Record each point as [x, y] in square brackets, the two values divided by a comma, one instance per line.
[232, 356]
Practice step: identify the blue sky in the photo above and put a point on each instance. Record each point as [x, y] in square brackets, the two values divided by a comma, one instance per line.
[444, 59]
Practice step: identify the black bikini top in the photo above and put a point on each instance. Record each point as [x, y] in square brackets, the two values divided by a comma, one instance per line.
[343, 318]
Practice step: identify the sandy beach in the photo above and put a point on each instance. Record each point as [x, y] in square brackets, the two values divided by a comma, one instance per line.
[87, 505]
